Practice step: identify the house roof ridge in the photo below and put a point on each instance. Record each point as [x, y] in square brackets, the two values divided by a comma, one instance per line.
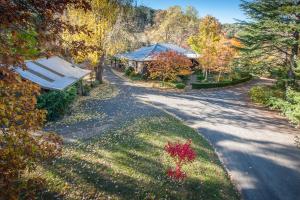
[154, 47]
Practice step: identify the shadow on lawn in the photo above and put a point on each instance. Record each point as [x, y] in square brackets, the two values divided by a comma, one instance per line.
[136, 169]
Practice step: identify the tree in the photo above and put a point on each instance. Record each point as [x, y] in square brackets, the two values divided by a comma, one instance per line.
[173, 25]
[231, 30]
[225, 54]
[209, 31]
[128, 33]
[168, 65]
[271, 37]
[205, 42]
[28, 29]
[99, 21]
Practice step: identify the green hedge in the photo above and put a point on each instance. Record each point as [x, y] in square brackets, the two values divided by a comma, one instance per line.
[180, 85]
[200, 77]
[129, 71]
[57, 103]
[207, 85]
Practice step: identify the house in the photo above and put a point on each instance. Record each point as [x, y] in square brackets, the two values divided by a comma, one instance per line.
[52, 73]
[139, 58]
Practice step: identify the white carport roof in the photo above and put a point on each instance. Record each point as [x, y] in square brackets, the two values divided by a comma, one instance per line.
[147, 53]
[52, 73]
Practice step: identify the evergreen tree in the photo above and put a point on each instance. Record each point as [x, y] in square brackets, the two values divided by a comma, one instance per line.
[271, 36]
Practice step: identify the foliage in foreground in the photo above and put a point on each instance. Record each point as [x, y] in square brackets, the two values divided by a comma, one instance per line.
[28, 29]
[130, 163]
[288, 102]
[20, 147]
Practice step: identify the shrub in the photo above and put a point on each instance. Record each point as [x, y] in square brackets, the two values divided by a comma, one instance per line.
[135, 76]
[280, 84]
[292, 110]
[57, 102]
[260, 94]
[180, 85]
[167, 84]
[200, 77]
[181, 154]
[184, 78]
[277, 104]
[145, 76]
[129, 71]
[86, 90]
[288, 104]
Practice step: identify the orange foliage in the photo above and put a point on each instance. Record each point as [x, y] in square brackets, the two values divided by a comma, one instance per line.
[225, 54]
[20, 146]
[28, 29]
[217, 55]
[168, 65]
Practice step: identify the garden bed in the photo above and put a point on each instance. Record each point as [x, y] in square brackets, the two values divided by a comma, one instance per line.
[130, 163]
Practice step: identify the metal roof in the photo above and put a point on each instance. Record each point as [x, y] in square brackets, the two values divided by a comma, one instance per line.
[147, 53]
[52, 73]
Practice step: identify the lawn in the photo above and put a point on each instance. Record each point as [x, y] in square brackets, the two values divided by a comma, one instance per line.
[130, 163]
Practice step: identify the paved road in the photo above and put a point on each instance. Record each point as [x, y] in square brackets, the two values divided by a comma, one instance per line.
[256, 146]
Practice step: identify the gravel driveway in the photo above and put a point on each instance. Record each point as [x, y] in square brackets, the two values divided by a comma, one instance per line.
[256, 146]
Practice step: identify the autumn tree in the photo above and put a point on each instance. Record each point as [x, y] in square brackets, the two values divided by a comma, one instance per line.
[271, 36]
[225, 53]
[205, 42]
[128, 33]
[173, 25]
[28, 29]
[99, 21]
[168, 65]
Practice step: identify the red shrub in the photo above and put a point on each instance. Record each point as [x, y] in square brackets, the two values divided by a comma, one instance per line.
[182, 154]
[176, 174]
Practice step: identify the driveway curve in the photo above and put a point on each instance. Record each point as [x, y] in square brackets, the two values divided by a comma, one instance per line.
[256, 146]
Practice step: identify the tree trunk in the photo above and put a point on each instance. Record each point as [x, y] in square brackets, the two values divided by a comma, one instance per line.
[99, 69]
[295, 52]
[81, 88]
[220, 73]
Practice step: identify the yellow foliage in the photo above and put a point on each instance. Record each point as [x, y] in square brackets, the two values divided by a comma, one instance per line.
[20, 146]
[216, 51]
[98, 22]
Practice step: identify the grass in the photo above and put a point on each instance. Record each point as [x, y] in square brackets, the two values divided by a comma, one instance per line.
[130, 163]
